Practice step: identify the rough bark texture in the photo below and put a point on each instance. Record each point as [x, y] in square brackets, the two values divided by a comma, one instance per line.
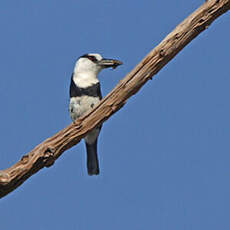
[44, 154]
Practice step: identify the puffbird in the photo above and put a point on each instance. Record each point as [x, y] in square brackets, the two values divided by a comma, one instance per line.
[85, 93]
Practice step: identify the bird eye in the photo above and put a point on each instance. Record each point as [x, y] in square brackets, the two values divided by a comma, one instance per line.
[92, 58]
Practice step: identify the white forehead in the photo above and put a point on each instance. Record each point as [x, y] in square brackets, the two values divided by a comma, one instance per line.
[97, 56]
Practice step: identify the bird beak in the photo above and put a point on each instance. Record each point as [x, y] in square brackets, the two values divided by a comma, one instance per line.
[106, 63]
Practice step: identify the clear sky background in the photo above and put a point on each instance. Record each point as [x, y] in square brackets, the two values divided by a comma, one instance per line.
[164, 157]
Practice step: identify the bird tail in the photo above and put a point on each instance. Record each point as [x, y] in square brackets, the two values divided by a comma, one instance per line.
[92, 159]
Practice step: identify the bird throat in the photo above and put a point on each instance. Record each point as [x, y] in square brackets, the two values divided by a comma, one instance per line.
[84, 80]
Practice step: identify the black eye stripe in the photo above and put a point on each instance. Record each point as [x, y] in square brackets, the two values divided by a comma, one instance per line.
[90, 57]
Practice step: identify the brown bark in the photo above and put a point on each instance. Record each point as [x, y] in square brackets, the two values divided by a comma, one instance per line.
[44, 154]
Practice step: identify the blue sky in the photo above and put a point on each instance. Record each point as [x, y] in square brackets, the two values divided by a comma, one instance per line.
[164, 157]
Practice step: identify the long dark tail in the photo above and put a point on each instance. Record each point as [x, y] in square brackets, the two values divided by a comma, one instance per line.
[92, 159]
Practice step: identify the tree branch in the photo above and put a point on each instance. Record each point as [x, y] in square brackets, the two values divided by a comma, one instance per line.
[45, 154]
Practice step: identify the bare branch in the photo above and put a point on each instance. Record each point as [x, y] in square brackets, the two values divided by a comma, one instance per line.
[44, 154]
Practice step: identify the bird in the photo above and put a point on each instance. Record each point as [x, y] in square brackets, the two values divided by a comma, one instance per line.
[85, 93]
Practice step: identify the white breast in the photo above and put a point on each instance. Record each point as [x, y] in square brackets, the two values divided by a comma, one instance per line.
[78, 106]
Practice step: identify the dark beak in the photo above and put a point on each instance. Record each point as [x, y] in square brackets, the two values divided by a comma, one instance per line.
[106, 63]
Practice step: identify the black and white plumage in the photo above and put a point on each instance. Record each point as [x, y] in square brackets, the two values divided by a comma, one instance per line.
[85, 93]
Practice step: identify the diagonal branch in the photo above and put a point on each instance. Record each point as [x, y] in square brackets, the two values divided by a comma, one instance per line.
[44, 154]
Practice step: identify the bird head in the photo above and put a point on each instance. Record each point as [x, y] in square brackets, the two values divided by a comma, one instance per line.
[94, 63]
